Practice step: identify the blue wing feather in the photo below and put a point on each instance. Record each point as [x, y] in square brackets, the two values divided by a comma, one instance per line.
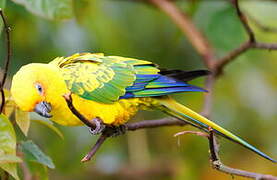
[148, 84]
[146, 77]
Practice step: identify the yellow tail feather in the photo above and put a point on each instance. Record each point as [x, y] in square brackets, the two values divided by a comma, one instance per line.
[179, 111]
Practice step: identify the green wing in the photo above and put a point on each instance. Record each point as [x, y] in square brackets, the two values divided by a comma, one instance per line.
[98, 77]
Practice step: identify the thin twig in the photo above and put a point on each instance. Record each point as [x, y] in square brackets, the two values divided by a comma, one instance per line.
[8, 59]
[221, 63]
[198, 133]
[213, 147]
[68, 99]
[251, 43]
[243, 20]
[266, 46]
[218, 165]
[154, 123]
[95, 148]
[101, 139]
[208, 97]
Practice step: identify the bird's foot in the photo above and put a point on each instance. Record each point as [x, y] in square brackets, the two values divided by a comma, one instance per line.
[113, 131]
[99, 126]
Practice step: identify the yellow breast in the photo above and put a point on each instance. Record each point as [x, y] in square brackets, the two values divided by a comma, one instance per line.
[115, 114]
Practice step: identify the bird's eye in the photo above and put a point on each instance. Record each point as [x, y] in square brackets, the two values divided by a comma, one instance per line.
[39, 88]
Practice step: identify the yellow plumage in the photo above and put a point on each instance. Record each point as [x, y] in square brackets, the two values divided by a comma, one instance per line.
[115, 114]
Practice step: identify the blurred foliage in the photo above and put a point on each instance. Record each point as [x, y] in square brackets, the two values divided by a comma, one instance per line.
[33, 153]
[8, 147]
[11, 151]
[245, 97]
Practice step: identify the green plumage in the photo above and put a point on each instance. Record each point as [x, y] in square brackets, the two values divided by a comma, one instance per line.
[101, 78]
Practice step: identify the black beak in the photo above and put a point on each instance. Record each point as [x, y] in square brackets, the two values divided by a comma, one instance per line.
[43, 108]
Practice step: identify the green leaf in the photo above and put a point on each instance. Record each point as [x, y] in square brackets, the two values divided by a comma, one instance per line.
[51, 126]
[2, 4]
[9, 159]
[225, 30]
[23, 120]
[37, 170]
[50, 9]
[7, 145]
[33, 153]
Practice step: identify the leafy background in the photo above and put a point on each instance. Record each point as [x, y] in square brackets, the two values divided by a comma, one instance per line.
[245, 97]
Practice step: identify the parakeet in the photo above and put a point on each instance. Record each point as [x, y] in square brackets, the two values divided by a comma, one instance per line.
[111, 88]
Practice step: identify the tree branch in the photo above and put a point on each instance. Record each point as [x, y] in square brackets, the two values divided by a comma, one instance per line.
[266, 46]
[218, 165]
[94, 149]
[243, 20]
[251, 43]
[8, 58]
[221, 63]
[208, 97]
[154, 123]
[214, 147]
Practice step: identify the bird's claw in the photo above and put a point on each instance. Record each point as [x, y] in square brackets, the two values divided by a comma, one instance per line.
[109, 130]
[99, 126]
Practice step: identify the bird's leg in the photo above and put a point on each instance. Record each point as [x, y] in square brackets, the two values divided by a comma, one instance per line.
[99, 126]
[114, 131]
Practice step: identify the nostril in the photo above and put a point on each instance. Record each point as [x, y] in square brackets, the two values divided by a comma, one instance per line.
[43, 108]
[47, 106]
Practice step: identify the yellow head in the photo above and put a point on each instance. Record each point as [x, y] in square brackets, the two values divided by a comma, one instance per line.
[38, 87]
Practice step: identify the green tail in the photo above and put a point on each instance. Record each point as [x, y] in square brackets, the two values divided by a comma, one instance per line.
[179, 111]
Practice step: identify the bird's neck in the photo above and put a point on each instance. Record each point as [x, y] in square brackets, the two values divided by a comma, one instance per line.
[56, 89]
